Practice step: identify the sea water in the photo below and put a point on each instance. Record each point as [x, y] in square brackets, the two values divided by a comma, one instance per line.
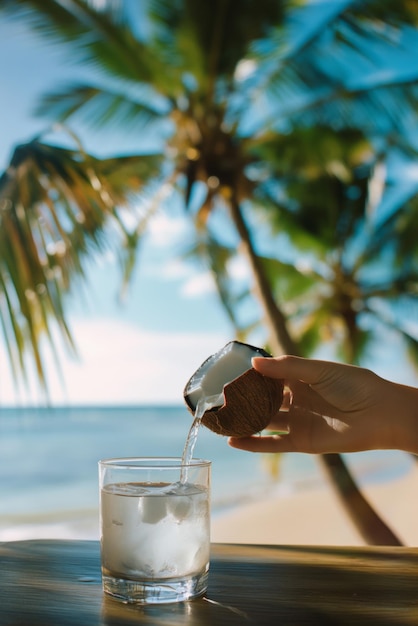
[48, 464]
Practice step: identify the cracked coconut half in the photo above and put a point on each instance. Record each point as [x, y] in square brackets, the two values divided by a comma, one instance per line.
[231, 397]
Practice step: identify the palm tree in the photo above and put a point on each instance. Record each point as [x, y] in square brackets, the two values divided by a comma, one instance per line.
[224, 83]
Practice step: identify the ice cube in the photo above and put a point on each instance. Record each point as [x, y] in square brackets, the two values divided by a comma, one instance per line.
[152, 509]
[180, 507]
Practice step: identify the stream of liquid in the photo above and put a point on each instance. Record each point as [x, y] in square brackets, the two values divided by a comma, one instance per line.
[191, 441]
[202, 405]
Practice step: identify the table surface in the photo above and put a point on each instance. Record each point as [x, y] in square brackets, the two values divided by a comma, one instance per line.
[57, 583]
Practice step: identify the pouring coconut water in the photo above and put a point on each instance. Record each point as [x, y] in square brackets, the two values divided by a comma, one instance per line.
[155, 512]
[229, 397]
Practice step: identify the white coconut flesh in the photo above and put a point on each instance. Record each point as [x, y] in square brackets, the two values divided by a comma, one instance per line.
[205, 389]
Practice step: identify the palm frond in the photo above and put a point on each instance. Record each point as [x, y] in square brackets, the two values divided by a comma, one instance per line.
[290, 281]
[311, 79]
[100, 107]
[96, 31]
[55, 206]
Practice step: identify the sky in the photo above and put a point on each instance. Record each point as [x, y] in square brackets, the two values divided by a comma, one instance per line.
[143, 350]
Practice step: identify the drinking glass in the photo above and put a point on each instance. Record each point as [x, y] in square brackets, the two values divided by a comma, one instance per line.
[154, 528]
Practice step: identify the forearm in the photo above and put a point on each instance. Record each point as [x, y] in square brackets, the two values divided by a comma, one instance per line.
[400, 406]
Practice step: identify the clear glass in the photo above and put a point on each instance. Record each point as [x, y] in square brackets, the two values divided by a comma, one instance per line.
[154, 528]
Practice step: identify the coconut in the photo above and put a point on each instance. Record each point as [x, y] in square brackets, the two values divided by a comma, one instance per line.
[231, 397]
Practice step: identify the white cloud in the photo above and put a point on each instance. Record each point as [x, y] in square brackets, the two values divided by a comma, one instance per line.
[199, 285]
[164, 229]
[202, 283]
[120, 364]
[176, 269]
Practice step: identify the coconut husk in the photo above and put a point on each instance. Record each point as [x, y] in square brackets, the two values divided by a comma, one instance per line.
[251, 401]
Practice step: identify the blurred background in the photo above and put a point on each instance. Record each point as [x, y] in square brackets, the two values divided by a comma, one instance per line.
[177, 174]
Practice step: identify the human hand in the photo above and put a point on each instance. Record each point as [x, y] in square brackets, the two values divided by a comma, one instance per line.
[330, 407]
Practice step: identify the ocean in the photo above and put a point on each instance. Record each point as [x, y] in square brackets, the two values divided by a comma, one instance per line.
[48, 465]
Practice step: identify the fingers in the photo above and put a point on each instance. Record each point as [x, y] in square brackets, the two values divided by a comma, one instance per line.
[288, 367]
[272, 443]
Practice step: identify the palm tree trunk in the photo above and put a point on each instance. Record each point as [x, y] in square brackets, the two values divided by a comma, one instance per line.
[371, 527]
[280, 340]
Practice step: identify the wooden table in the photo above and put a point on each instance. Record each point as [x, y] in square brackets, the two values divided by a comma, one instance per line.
[57, 583]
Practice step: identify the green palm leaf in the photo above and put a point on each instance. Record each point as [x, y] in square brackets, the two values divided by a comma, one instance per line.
[55, 206]
[100, 106]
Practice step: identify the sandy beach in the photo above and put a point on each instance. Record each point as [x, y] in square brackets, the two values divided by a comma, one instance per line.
[315, 516]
